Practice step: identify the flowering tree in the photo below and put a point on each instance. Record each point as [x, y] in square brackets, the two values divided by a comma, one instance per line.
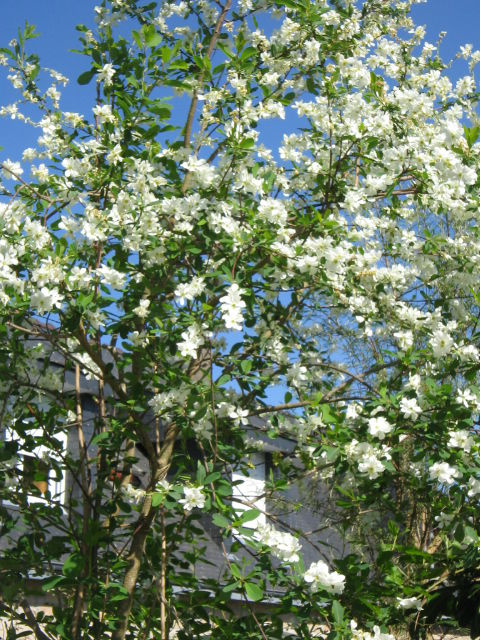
[197, 277]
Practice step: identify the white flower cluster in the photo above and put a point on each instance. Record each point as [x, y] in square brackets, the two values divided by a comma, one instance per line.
[142, 309]
[461, 439]
[320, 577]
[203, 174]
[231, 307]
[194, 497]
[167, 401]
[468, 398]
[189, 290]
[358, 634]
[441, 342]
[444, 473]
[379, 427]
[410, 603]
[111, 277]
[45, 300]
[473, 487]
[105, 74]
[273, 211]
[192, 341]
[283, 545]
[133, 494]
[203, 427]
[444, 519]
[368, 457]
[229, 410]
[89, 368]
[103, 113]
[410, 408]
[342, 226]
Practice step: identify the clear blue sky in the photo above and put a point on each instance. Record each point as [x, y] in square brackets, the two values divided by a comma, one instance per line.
[56, 20]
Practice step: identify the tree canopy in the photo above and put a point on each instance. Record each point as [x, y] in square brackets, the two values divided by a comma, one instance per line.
[264, 231]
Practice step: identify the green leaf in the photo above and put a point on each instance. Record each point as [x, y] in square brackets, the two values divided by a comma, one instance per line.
[201, 473]
[338, 612]
[51, 583]
[327, 414]
[223, 488]
[254, 592]
[150, 35]
[246, 366]
[220, 521]
[212, 477]
[100, 437]
[203, 63]
[73, 565]
[246, 144]
[230, 587]
[84, 78]
[471, 135]
[158, 499]
[225, 50]
[393, 528]
[248, 53]
[248, 516]
[163, 111]
[235, 571]
[137, 38]
[179, 64]
[166, 54]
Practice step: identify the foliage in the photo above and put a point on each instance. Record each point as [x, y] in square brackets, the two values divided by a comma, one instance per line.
[173, 273]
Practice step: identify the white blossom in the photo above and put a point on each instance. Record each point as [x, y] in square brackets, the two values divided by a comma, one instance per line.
[410, 603]
[133, 494]
[105, 74]
[444, 519]
[104, 113]
[283, 545]
[231, 307]
[45, 300]
[192, 339]
[359, 634]
[11, 169]
[379, 427]
[473, 487]
[410, 408]
[194, 497]
[111, 277]
[189, 290]
[203, 174]
[443, 472]
[441, 342]
[319, 576]
[142, 309]
[461, 439]
[467, 398]
[371, 466]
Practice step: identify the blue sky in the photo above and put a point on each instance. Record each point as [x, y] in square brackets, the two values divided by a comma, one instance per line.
[56, 19]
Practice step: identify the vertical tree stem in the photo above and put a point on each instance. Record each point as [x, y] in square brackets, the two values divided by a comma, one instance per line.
[83, 460]
[163, 581]
[193, 104]
[159, 468]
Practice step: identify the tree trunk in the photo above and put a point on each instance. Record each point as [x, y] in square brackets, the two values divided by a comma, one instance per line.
[135, 556]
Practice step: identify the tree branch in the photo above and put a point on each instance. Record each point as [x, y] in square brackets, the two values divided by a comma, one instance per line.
[193, 105]
[159, 469]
